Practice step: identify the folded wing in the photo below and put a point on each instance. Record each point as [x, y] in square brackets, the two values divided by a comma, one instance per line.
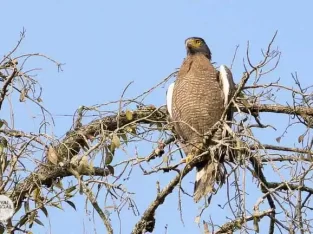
[169, 97]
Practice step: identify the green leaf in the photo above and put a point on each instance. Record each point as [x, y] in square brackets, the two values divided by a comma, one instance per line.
[38, 222]
[112, 148]
[301, 138]
[83, 164]
[53, 155]
[111, 169]
[44, 210]
[165, 158]
[23, 220]
[26, 206]
[36, 194]
[124, 137]
[116, 140]
[1, 123]
[57, 205]
[3, 144]
[238, 225]
[4, 162]
[31, 218]
[71, 204]
[108, 158]
[23, 95]
[131, 129]
[129, 115]
[256, 224]
[68, 195]
[71, 189]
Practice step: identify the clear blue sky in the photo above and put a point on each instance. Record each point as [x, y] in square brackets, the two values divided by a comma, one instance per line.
[107, 44]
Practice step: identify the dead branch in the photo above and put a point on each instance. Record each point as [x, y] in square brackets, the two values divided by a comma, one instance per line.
[147, 221]
[237, 223]
[74, 141]
[280, 109]
[289, 186]
[7, 82]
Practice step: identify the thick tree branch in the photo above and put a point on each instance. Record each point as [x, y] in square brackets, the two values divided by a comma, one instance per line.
[46, 174]
[75, 140]
[280, 148]
[147, 221]
[302, 111]
[237, 223]
[288, 186]
[73, 143]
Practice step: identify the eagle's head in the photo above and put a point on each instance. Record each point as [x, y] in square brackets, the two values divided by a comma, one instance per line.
[196, 45]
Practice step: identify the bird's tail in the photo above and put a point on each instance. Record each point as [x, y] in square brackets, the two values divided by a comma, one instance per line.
[207, 174]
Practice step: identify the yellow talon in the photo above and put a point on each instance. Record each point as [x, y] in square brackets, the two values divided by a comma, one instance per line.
[188, 158]
[193, 152]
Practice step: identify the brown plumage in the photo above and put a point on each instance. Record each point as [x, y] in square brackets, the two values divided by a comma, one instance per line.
[197, 104]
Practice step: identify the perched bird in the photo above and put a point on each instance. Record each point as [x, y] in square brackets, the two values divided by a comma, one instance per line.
[195, 102]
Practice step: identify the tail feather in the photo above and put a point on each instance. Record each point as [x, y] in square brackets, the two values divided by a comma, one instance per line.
[207, 174]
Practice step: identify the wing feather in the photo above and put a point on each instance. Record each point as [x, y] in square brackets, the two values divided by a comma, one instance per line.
[228, 84]
[169, 99]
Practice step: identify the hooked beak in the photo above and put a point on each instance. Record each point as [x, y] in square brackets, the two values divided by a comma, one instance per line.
[189, 44]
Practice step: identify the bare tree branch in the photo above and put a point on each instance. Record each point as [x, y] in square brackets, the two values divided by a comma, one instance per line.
[236, 224]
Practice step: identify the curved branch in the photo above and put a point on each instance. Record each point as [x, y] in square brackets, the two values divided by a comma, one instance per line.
[237, 223]
[75, 140]
[288, 186]
[7, 82]
[73, 143]
[147, 221]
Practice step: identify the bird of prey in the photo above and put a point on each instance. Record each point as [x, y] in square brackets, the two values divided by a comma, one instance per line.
[195, 102]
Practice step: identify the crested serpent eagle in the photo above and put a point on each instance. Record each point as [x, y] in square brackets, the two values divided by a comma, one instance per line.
[196, 102]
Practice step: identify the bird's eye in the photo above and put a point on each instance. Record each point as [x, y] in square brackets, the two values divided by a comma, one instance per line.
[198, 42]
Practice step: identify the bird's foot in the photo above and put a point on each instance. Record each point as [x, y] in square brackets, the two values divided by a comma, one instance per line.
[196, 150]
[187, 159]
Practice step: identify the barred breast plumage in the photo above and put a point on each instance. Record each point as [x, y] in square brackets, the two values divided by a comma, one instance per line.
[197, 98]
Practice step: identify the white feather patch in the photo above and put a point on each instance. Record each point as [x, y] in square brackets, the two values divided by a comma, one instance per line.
[169, 97]
[200, 174]
[225, 76]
